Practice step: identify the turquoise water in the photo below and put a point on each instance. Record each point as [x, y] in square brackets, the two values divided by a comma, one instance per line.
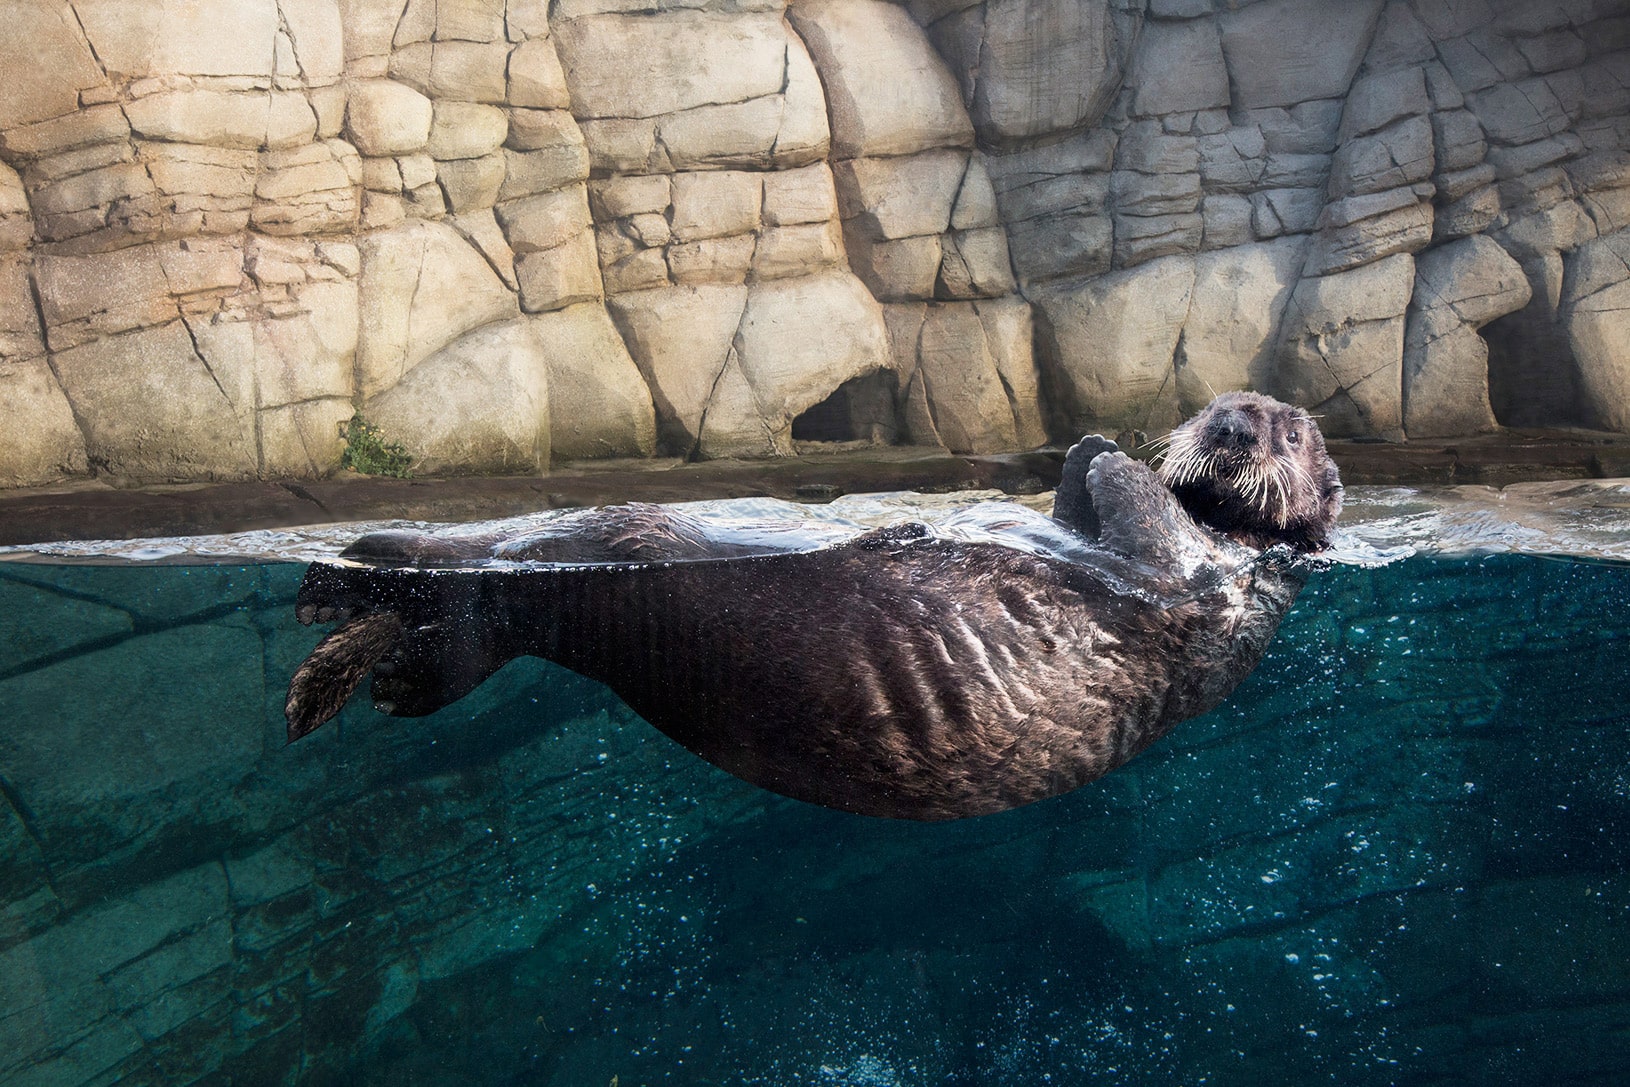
[1399, 854]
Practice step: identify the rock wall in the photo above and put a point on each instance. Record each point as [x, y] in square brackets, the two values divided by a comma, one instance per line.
[1397, 855]
[506, 233]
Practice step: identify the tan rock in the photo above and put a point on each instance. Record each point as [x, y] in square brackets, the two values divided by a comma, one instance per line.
[308, 352]
[554, 278]
[16, 220]
[622, 145]
[536, 79]
[712, 260]
[802, 249]
[201, 265]
[599, 405]
[799, 340]
[1239, 297]
[804, 195]
[225, 176]
[465, 130]
[417, 170]
[688, 59]
[45, 60]
[550, 167]
[369, 26]
[964, 391]
[166, 420]
[525, 19]
[308, 191]
[1596, 313]
[470, 71]
[224, 119]
[643, 270]
[1341, 348]
[204, 38]
[381, 175]
[318, 33]
[20, 335]
[470, 20]
[681, 337]
[42, 444]
[1109, 345]
[731, 134]
[1010, 337]
[1459, 288]
[976, 199]
[302, 441]
[975, 264]
[480, 404]
[805, 136]
[480, 228]
[384, 117]
[896, 271]
[538, 129]
[546, 220]
[621, 197]
[421, 286]
[900, 197]
[471, 184]
[84, 298]
[83, 128]
[711, 204]
[860, 49]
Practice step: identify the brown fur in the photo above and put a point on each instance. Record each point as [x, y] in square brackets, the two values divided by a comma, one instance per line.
[910, 671]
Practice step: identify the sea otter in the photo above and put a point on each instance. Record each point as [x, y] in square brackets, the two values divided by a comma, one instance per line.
[917, 671]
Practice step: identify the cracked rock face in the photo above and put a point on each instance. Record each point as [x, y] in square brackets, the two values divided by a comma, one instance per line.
[227, 225]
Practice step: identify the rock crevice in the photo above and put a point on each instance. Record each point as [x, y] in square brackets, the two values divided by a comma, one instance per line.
[333, 194]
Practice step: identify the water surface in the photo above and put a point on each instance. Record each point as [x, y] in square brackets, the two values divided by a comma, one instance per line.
[1400, 853]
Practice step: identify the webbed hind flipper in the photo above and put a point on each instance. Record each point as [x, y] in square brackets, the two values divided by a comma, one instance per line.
[324, 682]
[428, 636]
[1072, 502]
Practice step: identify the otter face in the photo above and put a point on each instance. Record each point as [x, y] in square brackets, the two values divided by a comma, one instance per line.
[1255, 470]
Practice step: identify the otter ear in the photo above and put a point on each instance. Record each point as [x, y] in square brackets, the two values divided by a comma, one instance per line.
[1072, 502]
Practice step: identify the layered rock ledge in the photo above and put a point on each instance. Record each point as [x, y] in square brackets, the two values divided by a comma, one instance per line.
[514, 233]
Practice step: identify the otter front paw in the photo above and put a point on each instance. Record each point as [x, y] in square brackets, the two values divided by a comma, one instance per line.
[1072, 503]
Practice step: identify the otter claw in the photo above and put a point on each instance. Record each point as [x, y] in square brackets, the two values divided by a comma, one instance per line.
[306, 614]
[385, 706]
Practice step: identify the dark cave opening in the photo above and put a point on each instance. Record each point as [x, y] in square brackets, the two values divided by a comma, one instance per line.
[862, 409]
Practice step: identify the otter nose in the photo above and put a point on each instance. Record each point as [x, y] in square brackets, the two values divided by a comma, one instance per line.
[1231, 430]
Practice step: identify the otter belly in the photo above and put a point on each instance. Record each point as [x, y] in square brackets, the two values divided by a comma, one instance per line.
[922, 679]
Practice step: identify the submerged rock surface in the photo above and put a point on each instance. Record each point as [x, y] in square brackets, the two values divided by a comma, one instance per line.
[1396, 854]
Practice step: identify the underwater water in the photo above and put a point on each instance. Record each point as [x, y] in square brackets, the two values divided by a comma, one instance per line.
[1398, 854]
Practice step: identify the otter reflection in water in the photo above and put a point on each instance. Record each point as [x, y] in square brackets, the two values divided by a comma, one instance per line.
[915, 671]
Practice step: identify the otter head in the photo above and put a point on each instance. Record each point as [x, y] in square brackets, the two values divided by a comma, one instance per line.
[1256, 471]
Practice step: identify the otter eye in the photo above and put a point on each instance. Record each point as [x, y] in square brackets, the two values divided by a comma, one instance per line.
[1293, 437]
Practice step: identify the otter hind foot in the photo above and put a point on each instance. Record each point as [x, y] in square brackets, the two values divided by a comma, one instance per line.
[324, 682]
[431, 666]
